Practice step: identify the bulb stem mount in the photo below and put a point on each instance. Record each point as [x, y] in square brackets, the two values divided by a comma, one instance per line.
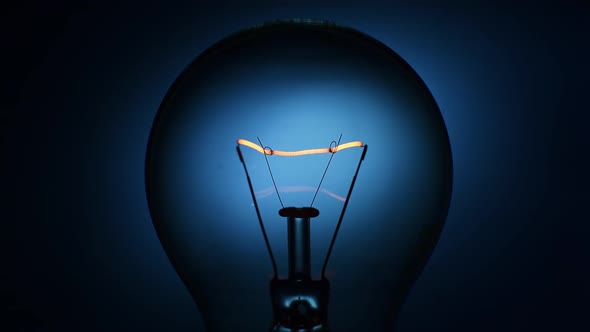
[299, 247]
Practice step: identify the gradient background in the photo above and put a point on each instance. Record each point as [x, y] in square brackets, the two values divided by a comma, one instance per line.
[81, 84]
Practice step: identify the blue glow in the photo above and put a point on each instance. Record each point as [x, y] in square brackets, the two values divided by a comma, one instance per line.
[490, 71]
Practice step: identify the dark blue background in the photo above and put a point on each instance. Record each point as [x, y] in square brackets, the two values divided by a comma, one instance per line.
[81, 84]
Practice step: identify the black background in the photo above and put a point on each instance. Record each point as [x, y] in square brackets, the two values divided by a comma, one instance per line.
[82, 81]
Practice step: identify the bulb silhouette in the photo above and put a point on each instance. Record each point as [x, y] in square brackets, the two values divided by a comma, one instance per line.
[285, 87]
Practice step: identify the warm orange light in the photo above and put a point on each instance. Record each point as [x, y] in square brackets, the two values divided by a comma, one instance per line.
[335, 149]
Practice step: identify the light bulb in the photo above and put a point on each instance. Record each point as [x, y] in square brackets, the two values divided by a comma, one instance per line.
[280, 88]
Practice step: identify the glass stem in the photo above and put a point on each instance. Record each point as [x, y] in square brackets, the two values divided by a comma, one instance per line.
[299, 248]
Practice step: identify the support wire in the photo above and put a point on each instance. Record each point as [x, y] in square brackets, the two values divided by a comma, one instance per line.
[272, 258]
[270, 171]
[326, 170]
[342, 213]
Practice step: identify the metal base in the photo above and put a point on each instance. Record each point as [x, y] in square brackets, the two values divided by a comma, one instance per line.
[300, 305]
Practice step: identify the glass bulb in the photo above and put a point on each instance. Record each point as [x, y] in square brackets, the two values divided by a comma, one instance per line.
[295, 85]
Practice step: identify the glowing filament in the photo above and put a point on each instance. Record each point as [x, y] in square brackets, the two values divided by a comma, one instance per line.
[269, 151]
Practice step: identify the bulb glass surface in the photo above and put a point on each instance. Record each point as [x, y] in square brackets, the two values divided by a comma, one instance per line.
[298, 84]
